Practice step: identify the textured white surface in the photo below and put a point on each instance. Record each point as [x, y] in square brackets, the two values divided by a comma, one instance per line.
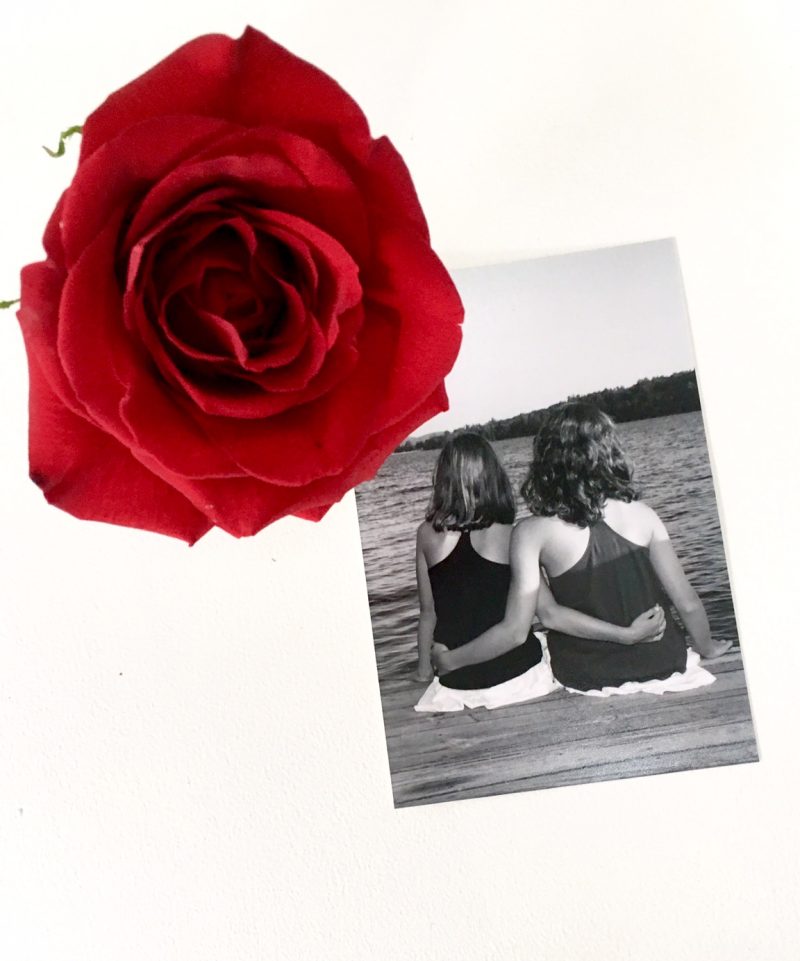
[192, 761]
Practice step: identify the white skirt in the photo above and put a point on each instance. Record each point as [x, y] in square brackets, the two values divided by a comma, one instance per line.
[539, 681]
[535, 682]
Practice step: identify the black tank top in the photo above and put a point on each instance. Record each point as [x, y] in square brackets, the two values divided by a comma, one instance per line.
[615, 582]
[469, 595]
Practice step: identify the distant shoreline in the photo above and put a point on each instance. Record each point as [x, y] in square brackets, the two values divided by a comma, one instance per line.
[647, 398]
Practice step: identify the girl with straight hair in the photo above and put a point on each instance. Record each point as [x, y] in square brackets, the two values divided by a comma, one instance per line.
[463, 577]
[606, 554]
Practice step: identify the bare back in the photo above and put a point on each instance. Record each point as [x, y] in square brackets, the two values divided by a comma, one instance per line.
[606, 572]
[467, 577]
[564, 544]
[491, 543]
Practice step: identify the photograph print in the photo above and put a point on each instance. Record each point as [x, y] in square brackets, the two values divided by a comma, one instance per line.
[547, 582]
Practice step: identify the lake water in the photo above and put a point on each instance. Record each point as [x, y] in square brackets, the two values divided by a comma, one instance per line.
[672, 472]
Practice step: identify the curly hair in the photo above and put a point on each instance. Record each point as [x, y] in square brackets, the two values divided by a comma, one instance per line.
[578, 464]
[471, 490]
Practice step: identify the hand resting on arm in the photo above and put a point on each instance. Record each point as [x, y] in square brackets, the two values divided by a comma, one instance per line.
[528, 595]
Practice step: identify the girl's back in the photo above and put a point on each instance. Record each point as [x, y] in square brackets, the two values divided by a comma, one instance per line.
[469, 577]
[607, 557]
[605, 570]
[490, 542]
[566, 543]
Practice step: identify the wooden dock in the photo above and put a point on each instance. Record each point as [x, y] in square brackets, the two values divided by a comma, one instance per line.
[563, 738]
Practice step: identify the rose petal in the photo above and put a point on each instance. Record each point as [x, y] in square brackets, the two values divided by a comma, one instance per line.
[283, 346]
[87, 473]
[252, 80]
[413, 286]
[201, 185]
[223, 396]
[172, 263]
[185, 339]
[113, 178]
[210, 332]
[338, 286]
[177, 355]
[312, 513]
[409, 342]
[322, 257]
[90, 326]
[243, 506]
[329, 302]
[52, 242]
[247, 166]
[317, 439]
[317, 500]
[42, 284]
[390, 189]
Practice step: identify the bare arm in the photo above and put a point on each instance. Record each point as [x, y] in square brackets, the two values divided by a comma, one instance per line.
[427, 615]
[674, 581]
[520, 606]
[649, 626]
[530, 594]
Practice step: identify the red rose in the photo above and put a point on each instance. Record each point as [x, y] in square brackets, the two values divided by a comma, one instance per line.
[240, 314]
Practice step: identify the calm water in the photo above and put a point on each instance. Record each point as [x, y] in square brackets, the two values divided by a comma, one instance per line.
[672, 472]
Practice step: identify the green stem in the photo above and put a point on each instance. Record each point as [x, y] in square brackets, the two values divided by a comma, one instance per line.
[65, 135]
[5, 304]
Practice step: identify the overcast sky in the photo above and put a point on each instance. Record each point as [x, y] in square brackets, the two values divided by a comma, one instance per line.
[537, 331]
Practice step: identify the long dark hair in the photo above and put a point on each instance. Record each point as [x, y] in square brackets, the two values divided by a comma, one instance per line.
[470, 488]
[578, 464]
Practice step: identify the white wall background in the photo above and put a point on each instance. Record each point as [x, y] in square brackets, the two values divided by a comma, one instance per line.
[192, 763]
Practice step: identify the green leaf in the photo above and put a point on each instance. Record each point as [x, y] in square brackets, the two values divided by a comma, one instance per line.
[65, 135]
[5, 304]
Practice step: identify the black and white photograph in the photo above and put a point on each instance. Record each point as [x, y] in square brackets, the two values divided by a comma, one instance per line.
[548, 587]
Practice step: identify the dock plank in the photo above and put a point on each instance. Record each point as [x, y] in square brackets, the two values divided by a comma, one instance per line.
[563, 738]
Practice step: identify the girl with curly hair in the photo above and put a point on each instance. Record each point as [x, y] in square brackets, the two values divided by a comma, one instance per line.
[463, 578]
[606, 554]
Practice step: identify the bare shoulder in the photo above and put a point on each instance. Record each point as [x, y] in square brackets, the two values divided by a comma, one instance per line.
[533, 529]
[651, 518]
[425, 534]
[492, 542]
[525, 552]
[498, 535]
[634, 519]
[645, 513]
[501, 532]
[640, 509]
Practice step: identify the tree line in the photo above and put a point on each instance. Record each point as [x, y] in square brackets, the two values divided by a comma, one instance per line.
[650, 397]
